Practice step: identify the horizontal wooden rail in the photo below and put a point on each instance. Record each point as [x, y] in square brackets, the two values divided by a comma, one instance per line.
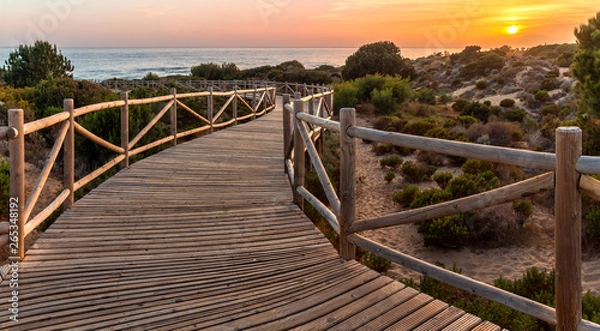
[474, 202]
[522, 158]
[101, 106]
[489, 292]
[320, 122]
[151, 145]
[588, 165]
[6, 132]
[45, 122]
[590, 186]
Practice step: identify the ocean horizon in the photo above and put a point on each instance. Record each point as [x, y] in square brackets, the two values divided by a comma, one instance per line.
[134, 63]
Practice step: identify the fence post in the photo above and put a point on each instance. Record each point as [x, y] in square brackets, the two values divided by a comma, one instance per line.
[311, 103]
[69, 155]
[299, 162]
[17, 181]
[347, 182]
[125, 129]
[235, 104]
[287, 129]
[174, 117]
[567, 231]
[210, 108]
[254, 103]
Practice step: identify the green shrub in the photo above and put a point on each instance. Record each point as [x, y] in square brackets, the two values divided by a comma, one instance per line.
[346, 96]
[389, 123]
[542, 96]
[415, 173]
[553, 109]
[418, 127]
[478, 110]
[392, 161]
[376, 262]
[389, 176]
[426, 96]
[382, 149]
[406, 197]
[450, 231]
[430, 197]
[476, 166]
[469, 184]
[384, 102]
[507, 103]
[523, 207]
[400, 88]
[481, 84]
[460, 105]
[442, 179]
[366, 85]
[592, 229]
[514, 115]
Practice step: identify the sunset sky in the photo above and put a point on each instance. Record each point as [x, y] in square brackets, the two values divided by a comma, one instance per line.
[291, 23]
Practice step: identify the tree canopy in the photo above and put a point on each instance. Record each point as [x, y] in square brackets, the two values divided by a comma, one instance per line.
[29, 65]
[377, 58]
[586, 65]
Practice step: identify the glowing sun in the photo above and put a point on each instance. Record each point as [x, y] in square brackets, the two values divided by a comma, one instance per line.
[513, 29]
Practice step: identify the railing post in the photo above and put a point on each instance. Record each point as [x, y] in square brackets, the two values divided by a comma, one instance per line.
[69, 155]
[17, 182]
[254, 103]
[174, 117]
[125, 129]
[347, 182]
[287, 128]
[311, 103]
[235, 104]
[210, 108]
[299, 162]
[567, 231]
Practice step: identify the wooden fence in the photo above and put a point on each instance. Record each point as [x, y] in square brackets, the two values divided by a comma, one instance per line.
[238, 103]
[568, 174]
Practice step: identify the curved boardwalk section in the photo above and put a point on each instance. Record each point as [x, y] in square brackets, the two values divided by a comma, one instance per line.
[205, 236]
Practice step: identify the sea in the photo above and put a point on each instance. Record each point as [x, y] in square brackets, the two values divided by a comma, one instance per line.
[135, 63]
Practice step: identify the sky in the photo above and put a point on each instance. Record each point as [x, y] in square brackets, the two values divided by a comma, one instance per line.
[291, 23]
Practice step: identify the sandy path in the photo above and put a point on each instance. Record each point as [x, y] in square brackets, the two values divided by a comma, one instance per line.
[374, 198]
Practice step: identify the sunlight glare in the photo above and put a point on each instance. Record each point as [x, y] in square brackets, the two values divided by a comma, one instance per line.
[513, 29]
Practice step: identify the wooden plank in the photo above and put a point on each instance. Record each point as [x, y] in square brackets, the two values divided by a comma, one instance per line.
[441, 320]
[465, 322]
[420, 316]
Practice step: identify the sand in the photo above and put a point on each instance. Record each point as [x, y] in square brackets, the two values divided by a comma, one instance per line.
[374, 198]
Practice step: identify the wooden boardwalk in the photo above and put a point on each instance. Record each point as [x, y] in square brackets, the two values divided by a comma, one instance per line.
[205, 236]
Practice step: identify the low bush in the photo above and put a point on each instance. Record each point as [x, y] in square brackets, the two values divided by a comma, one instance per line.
[476, 166]
[514, 115]
[389, 176]
[481, 84]
[382, 149]
[430, 158]
[506, 103]
[406, 197]
[542, 96]
[376, 262]
[450, 231]
[418, 127]
[499, 133]
[384, 102]
[442, 179]
[417, 172]
[430, 197]
[478, 110]
[392, 161]
[389, 123]
[345, 96]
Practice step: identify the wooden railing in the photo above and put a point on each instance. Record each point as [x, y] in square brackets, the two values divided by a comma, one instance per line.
[568, 174]
[252, 103]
